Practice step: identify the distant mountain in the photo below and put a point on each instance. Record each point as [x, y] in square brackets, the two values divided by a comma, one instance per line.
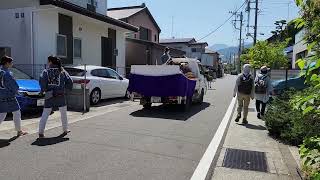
[217, 47]
[229, 51]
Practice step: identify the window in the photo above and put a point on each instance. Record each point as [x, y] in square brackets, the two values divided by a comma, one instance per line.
[113, 74]
[17, 74]
[194, 50]
[77, 48]
[155, 38]
[100, 73]
[75, 71]
[131, 35]
[61, 45]
[144, 34]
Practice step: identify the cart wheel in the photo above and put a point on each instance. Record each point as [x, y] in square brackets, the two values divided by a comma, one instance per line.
[147, 105]
[187, 105]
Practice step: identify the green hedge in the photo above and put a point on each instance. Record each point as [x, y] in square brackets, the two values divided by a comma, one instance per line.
[310, 155]
[288, 124]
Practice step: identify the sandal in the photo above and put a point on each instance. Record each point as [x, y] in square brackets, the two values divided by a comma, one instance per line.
[21, 133]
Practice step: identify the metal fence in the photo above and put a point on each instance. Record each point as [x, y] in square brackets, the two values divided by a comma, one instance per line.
[284, 74]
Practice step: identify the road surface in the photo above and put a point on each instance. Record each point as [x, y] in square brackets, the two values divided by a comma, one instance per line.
[126, 144]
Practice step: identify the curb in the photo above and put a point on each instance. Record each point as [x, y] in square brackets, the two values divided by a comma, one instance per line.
[209, 158]
[291, 163]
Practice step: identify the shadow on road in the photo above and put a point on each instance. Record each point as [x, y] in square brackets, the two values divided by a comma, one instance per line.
[251, 126]
[110, 102]
[172, 112]
[6, 142]
[50, 141]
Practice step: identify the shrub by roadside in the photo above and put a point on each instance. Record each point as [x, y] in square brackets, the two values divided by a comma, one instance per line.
[283, 122]
[289, 124]
[310, 155]
[292, 125]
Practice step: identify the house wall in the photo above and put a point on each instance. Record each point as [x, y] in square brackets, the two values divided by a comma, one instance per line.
[101, 5]
[136, 53]
[299, 47]
[210, 60]
[180, 46]
[90, 35]
[207, 59]
[15, 33]
[143, 19]
[121, 58]
[45, 32]
[197, 55]
[13, 4]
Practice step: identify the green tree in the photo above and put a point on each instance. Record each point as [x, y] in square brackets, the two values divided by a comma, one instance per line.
[310, 20]
[264, 53]
[309, 104]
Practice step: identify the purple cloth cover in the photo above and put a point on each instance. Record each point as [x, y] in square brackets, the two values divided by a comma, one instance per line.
[162, 86]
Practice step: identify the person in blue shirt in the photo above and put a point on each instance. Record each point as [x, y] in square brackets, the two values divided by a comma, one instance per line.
[8, 91]
[54, 81]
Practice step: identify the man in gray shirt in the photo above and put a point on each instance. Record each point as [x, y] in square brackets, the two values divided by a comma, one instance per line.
[166, 56]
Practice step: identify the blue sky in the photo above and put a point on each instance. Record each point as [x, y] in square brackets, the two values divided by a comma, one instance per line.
[196, 18]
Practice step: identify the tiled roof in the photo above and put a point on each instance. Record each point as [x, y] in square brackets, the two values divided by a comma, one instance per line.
[176, 40]
[209, 51]
[200, 43]
[123, 13]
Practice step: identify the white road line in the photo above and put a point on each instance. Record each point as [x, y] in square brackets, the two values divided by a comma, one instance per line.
[204, 165]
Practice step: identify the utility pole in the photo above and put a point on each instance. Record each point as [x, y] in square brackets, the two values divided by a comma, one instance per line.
[256, 22]
[239, 15]
[248, 10]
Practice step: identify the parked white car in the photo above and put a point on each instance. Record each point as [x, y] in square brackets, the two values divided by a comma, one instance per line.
[102, 82]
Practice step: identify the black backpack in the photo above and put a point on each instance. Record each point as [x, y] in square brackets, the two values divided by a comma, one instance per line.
[260, 85]
[246, 84]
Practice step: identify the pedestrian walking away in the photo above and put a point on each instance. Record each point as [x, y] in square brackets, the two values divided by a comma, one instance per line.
[244, 90]
[54, 81]
[166, 56]
[263, 89]
[8, 91]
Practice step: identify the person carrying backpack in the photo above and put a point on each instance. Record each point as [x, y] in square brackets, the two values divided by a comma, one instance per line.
[263, 88]
[244, 90]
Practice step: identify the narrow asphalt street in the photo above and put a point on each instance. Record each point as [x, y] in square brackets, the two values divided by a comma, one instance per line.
[127, 144]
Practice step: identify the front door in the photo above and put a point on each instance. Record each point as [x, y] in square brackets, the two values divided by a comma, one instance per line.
[106, 52]
[112, 35]
[66, 29]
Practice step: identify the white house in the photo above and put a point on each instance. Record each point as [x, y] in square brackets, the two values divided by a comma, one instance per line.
[210, 59]
[300, 49]
[192, 48]
[78, 31]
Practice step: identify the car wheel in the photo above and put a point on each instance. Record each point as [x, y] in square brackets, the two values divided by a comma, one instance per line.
[95, 96]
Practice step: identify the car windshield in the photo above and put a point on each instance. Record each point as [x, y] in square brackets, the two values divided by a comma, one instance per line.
[75, 71]
[17, 74]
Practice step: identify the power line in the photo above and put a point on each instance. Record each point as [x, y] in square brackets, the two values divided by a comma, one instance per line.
[210, 33]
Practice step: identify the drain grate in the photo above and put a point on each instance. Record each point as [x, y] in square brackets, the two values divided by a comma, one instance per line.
[246, 160]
